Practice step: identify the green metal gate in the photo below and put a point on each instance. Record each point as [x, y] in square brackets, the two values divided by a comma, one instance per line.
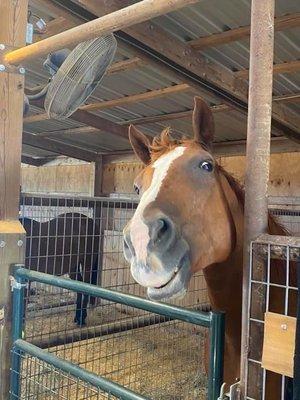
[101, 386]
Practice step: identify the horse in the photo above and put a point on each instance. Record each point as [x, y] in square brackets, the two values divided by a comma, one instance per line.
[190, 218]
[67, 244]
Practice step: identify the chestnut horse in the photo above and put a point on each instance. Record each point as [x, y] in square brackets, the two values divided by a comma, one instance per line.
[190, 218]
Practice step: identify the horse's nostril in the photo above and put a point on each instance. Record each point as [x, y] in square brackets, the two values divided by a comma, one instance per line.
[164, 226]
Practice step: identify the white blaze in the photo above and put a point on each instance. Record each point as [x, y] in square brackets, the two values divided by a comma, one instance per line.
[139, 231]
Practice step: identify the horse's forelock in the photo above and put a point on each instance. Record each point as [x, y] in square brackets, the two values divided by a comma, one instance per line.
[164, 142]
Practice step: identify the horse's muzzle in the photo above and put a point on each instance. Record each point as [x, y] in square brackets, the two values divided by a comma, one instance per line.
[165, 270]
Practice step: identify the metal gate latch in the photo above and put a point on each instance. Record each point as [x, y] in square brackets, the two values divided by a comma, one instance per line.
[16, 285]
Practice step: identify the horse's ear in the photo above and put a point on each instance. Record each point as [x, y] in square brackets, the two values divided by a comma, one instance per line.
[203, 123]
[140, 144]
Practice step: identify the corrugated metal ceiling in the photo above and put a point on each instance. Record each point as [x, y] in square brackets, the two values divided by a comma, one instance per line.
[202, 19]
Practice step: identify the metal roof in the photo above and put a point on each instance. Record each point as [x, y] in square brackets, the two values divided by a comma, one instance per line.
[202, 19]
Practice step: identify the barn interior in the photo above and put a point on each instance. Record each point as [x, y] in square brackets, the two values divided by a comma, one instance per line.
[79, 171]
[160, 65]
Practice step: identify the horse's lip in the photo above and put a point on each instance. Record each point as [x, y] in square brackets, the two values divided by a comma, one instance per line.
[176, 286]
[176, 270]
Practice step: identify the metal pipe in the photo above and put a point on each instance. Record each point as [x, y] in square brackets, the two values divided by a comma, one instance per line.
[216, 356]
[18, 286]
[102, 26]
[179, 313]
[69, 368]
[258, 147]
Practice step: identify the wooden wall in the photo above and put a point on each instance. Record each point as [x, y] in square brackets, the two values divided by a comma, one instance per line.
[284, 175]
[77, 179]
[118, 177]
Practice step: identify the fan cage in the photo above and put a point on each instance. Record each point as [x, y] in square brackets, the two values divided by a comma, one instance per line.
[79, 75]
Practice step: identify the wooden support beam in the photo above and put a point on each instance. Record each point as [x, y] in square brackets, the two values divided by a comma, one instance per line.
[125, 65]
[289, 98]
[232, 35]
[288, 67]
[173, 116]
[184, 55]
[136, 98]
[13, 20]
[59, 147]
[133, 14]
[122, 101]
[151, 119]
[256, 214]
[104, 125]
[92, 120]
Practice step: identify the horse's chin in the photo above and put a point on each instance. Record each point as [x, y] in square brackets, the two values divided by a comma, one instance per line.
[176, 288]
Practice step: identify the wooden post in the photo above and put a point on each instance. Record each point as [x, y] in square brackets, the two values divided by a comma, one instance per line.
[258, 150]
[13, 18]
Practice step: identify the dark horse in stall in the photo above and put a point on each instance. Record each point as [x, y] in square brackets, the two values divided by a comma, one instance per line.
[68, 244]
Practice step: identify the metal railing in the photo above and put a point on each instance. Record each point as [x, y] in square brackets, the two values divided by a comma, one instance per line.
[214, 321]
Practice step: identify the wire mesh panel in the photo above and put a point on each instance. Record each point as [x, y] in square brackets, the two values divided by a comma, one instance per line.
[82, 238]
[40, 380]
[273, 289]
[148, 353]
[159, 355]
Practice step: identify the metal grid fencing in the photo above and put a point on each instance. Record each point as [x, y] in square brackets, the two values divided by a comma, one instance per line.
[81, 238]
[160, 356]
[273, 288]
[40, 380]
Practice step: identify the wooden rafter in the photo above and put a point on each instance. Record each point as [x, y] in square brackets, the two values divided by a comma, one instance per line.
[123, 101]
[216, 39]
[191, 60]
[136, 98]
[184, 55]
[125, 65]
[59, 147]
[282, 68]
[153, 118]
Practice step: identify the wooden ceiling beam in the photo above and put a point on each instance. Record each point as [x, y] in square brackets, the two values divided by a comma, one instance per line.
[125, 65]
[153, 36]
[58, 147]
[122, 101]
[288, 67]
[137, 98]
[232, 35]
[160, 117]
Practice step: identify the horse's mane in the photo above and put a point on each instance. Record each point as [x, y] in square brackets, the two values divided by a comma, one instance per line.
[164, 143]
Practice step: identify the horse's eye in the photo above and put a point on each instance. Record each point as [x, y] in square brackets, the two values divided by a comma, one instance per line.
[206, 166]
[136, 189]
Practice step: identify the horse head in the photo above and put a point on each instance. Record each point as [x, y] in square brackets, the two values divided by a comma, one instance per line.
[182, 223]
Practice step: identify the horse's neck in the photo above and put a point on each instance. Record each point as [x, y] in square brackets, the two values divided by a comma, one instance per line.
[224, 280]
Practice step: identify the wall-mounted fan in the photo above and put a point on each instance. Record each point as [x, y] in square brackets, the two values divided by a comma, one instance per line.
[75, 75]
